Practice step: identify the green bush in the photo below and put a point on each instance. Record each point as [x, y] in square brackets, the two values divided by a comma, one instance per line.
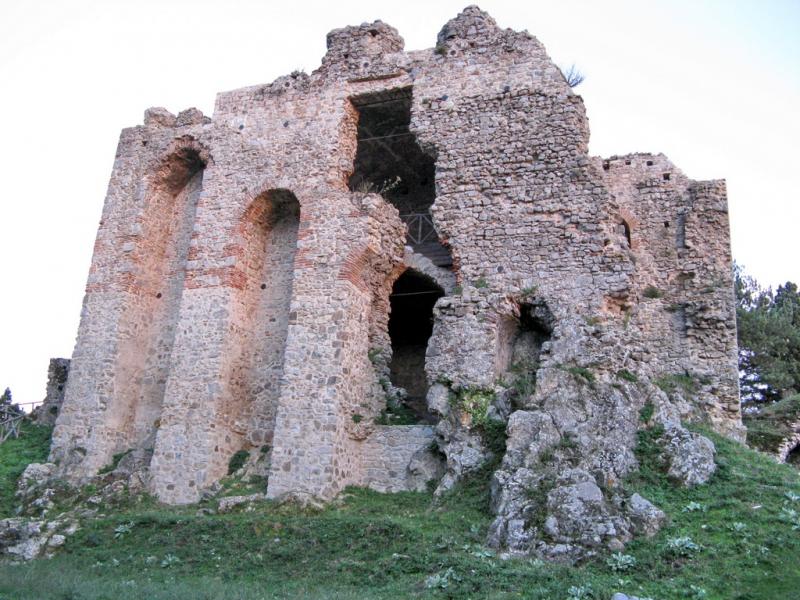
[237, 461]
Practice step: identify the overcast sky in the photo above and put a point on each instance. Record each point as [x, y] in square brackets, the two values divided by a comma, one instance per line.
[715, 85]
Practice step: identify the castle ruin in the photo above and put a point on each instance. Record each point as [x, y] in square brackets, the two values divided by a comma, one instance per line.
[419, 233]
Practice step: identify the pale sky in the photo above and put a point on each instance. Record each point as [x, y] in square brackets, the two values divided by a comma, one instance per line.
[713, 84]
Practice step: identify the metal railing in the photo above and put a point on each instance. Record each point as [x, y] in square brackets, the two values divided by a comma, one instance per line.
[420, 228]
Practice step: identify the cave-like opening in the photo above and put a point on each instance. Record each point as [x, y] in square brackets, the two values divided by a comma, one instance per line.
[410, 327]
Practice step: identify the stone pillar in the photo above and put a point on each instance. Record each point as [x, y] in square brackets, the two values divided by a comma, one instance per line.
[326, 406]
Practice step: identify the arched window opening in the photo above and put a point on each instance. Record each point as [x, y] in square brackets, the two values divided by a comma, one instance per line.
[625, 229]
[390, 162]
[410, 327]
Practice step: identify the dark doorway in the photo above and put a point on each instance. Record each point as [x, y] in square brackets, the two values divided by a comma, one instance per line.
[410, 327]
[390, 162]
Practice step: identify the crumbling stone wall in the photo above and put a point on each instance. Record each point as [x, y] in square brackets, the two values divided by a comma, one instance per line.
[57, 374]
[680, 241]
[239, 295]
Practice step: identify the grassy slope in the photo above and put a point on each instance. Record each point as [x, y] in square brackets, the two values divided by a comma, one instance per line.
[15, 454]
[385, 546]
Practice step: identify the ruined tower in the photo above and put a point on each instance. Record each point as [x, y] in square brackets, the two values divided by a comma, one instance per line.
[422, 230]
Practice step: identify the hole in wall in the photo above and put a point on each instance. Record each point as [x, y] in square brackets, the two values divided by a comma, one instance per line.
[680, 233]
[666, 176]
[410, 327]
[625, 229]
[519, 347]
[649, 163]
[390, 162]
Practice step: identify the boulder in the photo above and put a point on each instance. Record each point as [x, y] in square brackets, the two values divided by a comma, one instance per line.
[690, 456]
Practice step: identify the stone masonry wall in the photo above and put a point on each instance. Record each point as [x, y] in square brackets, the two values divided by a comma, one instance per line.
[57, 375]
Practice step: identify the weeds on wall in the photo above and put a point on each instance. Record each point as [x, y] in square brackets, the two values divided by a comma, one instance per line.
[237, 461]
[114, 462]
[383, 546]
[677, 381]
[652, 292]
[474, 402]
[627, 375]
[582, 374]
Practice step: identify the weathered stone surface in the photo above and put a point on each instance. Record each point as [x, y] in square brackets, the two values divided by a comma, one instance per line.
[34, 475]
[399, 458]
[22, 538]
[26, 539]
[240, 292]
[645, 517]
[690, 456]
[228, 503]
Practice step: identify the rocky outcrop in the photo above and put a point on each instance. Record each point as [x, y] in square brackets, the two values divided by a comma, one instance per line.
[26, 539]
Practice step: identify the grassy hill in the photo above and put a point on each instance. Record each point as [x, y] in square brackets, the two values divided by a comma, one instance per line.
[736, 538]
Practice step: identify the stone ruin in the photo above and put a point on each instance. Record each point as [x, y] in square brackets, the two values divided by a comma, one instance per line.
[421, 234]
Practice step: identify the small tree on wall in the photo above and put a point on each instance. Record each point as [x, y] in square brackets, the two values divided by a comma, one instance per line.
[573, 76]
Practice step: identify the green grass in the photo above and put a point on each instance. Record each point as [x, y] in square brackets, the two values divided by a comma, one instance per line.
[581, 374]
[369, 545]
[32, 445]
[627, 375]
[674, 381]
[115, 460]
